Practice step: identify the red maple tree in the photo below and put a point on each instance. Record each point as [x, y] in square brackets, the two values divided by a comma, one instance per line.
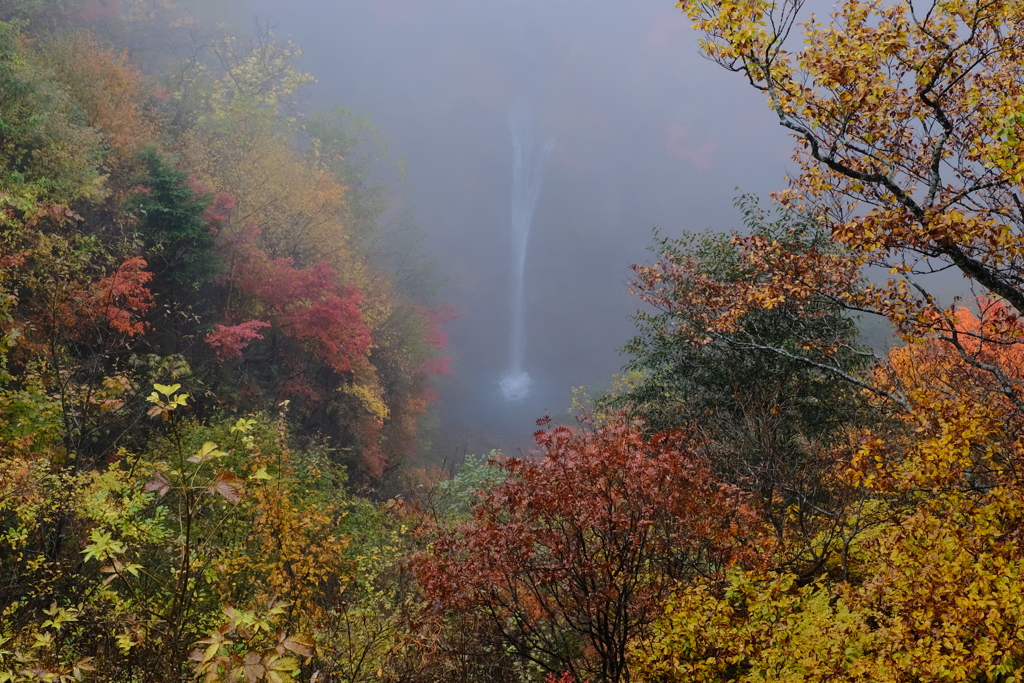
[307, 306]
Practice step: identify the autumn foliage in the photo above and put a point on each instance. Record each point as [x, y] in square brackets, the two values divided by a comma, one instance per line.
[304, 305]
[205, 352]
[189, 375]
[570, 557]
[906, 120]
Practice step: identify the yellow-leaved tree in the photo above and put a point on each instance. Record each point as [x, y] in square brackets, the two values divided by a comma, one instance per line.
[907, 119]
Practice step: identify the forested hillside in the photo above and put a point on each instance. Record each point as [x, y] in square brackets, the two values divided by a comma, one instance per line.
[214, 383]
[203, 349]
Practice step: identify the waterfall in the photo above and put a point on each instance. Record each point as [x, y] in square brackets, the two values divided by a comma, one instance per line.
[527, 171]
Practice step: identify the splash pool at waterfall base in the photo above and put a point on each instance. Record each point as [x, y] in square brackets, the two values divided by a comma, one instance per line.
[515, 386]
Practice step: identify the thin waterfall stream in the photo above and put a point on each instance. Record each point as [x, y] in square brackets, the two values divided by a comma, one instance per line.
[528, 164]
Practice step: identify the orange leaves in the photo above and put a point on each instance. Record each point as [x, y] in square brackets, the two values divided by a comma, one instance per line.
[289, 546]
[107, 88]
[124, 296]
[68, 294]
[961, 383]
[709, 285]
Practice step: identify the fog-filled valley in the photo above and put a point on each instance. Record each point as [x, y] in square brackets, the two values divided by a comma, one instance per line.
[644, 135]
[539, 341]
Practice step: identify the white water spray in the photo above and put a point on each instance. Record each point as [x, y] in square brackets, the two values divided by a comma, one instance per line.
[527, 171]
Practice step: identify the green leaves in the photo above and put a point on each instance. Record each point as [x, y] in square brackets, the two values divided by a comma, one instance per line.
[48, 154]
[58, 616]
[103, 546]
[249, 646]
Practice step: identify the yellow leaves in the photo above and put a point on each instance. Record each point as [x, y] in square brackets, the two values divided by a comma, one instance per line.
[299, 644]
[82, 665]
[213, 645]
[758, 624]
[288, 546]
[951, 588]
[941, 601]
[243, 426]
[43, 640]
[262, 70]
[299, 209]
[861, 88]
[207, 452]
[116, 567]
[38, 650]
[734, 29]
[261, 474]
[169, 402]
[58, 616]
[369, 397]
[281, 669]
[108, 397]
[165, 390]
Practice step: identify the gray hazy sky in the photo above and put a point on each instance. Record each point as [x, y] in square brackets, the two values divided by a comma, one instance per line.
[646, 133]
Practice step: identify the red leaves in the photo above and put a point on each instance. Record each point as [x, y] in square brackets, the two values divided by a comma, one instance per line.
[230, 341]
[333, 326]
[374, 459]
[591, 538]
[308, 305]
[436, 318]
[437, 338]
[222, 204]
[436, 366]
[566, 677]
[55, 213]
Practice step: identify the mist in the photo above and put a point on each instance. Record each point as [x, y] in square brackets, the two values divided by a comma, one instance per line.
[645, 133]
